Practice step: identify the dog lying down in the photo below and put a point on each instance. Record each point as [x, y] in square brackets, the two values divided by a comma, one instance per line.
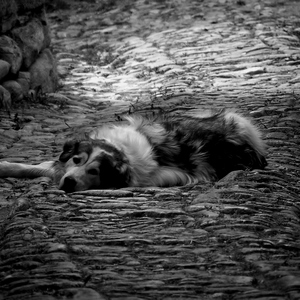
[166, 151]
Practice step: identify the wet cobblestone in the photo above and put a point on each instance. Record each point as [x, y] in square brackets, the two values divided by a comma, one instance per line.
[236, 239]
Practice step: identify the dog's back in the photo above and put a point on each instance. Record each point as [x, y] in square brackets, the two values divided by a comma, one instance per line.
[208, 147]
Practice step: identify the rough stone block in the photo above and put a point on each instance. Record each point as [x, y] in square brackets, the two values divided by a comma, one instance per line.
[10, 52]
[5, 99]
[30, 39]
[43, 73]
[8, 22]
[15, 90]
[8, 15]
[24, 81]
[27, 5]
[24, 75]
[7, 8]
[4, 68]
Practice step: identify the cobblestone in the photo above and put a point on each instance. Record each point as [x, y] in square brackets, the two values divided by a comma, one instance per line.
[236, 239]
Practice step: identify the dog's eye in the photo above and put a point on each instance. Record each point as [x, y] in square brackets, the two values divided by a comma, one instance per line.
[93, 172]
[76, 160]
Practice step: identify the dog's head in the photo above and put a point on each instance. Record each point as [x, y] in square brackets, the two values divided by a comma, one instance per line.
[93, 164]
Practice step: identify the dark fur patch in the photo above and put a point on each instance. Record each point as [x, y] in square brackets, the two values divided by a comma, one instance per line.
[187, 140]
[74, 147]
[114, 171]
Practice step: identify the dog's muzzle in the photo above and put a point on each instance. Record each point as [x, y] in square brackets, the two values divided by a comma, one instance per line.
[69, 184]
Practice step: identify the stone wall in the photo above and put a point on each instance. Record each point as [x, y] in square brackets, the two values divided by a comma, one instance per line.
[27, 65]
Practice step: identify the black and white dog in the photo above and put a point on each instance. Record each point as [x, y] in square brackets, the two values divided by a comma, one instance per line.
[166, 151]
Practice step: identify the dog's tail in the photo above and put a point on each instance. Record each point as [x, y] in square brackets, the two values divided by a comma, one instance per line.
[247, 132]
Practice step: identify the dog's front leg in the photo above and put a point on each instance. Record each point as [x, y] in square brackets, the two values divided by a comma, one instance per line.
[19, 170]
[170, 176]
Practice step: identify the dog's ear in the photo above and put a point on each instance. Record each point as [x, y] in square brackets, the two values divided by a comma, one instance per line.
[68, 150]
[114, 173]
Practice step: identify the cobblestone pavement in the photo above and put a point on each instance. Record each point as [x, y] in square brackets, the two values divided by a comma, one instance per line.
[236, 239]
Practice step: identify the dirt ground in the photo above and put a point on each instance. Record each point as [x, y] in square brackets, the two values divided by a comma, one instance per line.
[236, 239]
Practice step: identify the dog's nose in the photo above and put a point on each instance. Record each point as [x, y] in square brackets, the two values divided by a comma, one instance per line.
[69, 184]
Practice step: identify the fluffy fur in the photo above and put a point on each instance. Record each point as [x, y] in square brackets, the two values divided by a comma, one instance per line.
[165, 151]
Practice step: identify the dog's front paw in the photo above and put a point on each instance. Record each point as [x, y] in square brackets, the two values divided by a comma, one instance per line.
[4, 164]
[5, 168]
